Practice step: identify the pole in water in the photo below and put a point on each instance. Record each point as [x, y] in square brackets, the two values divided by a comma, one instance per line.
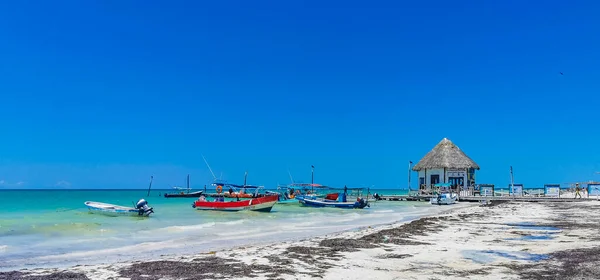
[312, 178]
[149, 187]
[188, 183]
[409, 167]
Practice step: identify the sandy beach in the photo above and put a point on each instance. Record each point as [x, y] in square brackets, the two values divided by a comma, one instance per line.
[510, 240]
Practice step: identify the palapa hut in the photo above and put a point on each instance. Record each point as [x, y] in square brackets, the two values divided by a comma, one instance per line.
[446, 163]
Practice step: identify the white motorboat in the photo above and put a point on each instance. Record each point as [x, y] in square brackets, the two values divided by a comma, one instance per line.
[142, 209]
[444, 199]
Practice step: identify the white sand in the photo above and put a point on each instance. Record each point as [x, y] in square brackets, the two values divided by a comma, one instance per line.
[461, 250]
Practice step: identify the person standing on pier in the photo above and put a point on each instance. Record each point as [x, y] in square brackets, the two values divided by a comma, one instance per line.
[577, 190]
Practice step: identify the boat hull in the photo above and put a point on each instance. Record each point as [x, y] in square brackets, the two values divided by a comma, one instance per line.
[294, 200]
[261, 204]
[334, 204]
[114, 210]
[194, 194]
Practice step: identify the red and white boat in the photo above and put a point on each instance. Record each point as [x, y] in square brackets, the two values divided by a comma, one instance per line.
[259, 202]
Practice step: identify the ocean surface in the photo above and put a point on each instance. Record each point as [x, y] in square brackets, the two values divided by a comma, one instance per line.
[53, 228]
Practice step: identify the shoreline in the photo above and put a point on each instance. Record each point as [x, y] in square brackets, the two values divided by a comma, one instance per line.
[44, 269]
[89, 239]
[508, 240]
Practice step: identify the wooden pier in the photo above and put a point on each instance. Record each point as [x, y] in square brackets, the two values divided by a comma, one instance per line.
[487, 198]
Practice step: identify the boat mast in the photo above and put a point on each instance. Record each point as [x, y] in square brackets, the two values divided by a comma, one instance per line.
[291, 178]
[245, 178]
[211, 172]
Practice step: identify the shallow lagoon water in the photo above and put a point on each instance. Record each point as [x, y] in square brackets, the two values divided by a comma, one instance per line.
[61, 232]
[532, 226]
[488, 256]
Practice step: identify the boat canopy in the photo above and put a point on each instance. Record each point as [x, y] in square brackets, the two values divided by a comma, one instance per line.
[237, 186]
[304, 186]
[307, 185]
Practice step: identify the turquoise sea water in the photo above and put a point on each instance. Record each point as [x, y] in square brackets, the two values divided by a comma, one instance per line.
[52, 228]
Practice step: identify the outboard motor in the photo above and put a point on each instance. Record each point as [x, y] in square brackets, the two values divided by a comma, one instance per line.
[362, 203]
[143, 208]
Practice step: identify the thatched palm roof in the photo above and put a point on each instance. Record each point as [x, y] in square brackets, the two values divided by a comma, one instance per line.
[445, 155]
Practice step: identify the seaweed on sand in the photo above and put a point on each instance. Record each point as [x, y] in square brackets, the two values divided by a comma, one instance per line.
[401, 235]
[345, 244]
[17, 275]
[569, 264]
[207, 268]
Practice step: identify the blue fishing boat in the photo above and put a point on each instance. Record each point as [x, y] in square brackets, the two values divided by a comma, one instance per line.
[179, 192]
[337, 200]
[291, 193]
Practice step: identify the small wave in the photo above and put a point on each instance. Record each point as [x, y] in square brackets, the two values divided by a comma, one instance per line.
[384, 211]
[3, 248]
[236, 222]
[347, 218]
[185, 228]
[240, 232]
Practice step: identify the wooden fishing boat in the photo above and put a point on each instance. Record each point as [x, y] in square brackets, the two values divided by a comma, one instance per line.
[336, 200]
[291, 193]
[262, 203]
[181, 193]
[141, 209]
[184, 194]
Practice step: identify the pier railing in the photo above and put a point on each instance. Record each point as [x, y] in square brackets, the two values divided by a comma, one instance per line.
[485, 190]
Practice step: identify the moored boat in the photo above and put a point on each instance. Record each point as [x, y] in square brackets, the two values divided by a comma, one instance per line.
[180, 193]
[337, 200]
[444, 199]
[444, 196]
[292, 192]
[184, 194]
[257, 202]
[141, 209]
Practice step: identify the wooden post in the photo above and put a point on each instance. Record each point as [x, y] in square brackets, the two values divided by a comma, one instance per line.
[150, 186]
[312, 179]
[409, 173]
[512, 182]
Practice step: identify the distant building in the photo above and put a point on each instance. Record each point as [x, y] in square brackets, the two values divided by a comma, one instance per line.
[446, 163]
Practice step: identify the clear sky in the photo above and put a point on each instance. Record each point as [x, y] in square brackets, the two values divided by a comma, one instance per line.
[103, 94]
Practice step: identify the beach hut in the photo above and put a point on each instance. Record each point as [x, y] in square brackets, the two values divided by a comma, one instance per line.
[446, 163]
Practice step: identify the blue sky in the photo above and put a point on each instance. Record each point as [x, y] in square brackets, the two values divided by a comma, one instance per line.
[103, 94]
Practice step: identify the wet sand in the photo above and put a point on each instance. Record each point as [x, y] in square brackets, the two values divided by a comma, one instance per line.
[511, 240]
